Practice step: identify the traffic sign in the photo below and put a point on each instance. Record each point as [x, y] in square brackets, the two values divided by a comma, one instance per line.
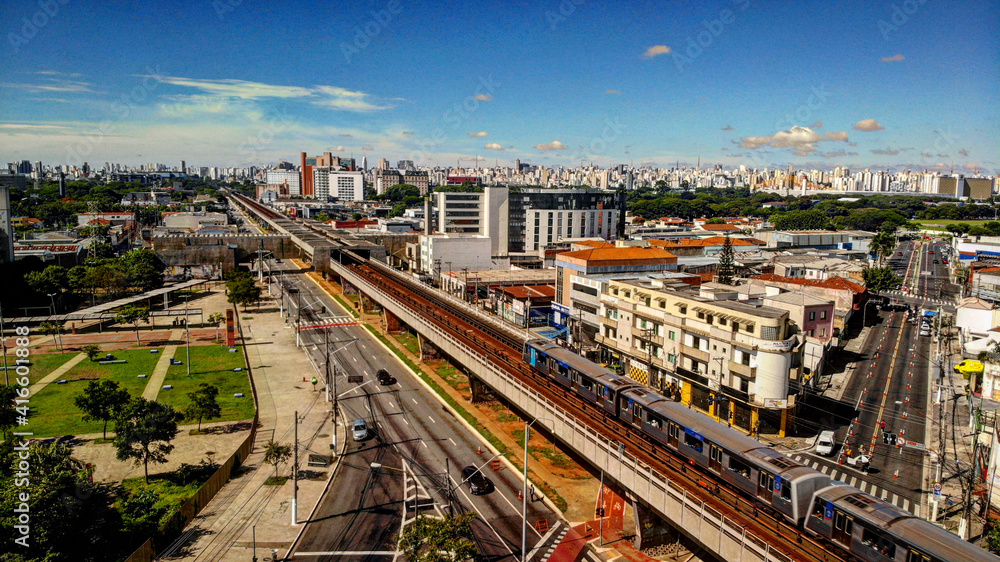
[937, 488]
[902, 442]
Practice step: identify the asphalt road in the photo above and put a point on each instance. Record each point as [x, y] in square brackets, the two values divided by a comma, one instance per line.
[413, 437]
[894, 386]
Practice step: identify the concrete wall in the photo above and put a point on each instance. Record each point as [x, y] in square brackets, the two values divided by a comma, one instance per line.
[181, 250]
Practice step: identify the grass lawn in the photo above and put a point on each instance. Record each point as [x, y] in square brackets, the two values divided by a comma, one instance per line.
[173, 488]
[941, 224]
[52, 409]
[212, 364]
[41, 364]
[409, 341]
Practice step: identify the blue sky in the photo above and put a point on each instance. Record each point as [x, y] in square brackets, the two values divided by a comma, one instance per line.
[235, 82]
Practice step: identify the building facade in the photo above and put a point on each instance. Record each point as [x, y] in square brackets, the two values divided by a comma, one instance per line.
[731, 358]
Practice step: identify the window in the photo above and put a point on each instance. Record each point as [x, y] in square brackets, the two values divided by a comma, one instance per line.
[716, 454]
[822, 315]
[671, 358]
[822, 332]
[701, 316]
[673, 335]
[819, 508]
[654, 422]
[722, 321]
[786, 490]
[812, 316]
[739, 467]
[693, 442]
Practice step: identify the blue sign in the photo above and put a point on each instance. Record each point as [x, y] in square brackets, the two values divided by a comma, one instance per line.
[777, 483]
[533, 356]
[629, 404]
[829, 510]
[694, 434]
[607, 391]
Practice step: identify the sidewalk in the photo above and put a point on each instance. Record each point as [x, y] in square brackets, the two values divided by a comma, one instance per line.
[224, 529]
[155, 382]
[55, 374]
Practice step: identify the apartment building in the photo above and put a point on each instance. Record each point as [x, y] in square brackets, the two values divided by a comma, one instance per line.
[582, 275]
[814, 319]
[284, 182]
[731, 358]
[384, 179]
[338, 184]
[527, 221]
[848, 297]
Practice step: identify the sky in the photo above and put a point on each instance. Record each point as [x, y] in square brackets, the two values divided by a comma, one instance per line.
[889, 85]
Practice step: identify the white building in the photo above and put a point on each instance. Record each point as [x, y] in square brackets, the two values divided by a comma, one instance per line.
[343, 185]
[287, 177]
[453, 252]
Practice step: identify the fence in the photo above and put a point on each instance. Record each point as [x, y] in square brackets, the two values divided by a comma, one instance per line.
[190, 509]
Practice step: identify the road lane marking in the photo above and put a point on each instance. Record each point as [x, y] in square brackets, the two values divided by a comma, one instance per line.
[391, 405]
[894, 498]
[415, 401]
[854, 480]
[406, 422]
[424, 443]
[906, 504]
[432, 419]
[452, 442]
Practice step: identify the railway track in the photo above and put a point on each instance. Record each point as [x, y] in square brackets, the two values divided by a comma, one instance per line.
[504, 350]
[783, 536]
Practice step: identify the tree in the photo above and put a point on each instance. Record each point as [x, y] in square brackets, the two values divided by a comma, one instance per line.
[133, 315]
[977, 230]
[800, 220]
[439, 540]
[143, 268]
[727, 263]
[100, 250]
[203, 404]
[243, 290]
[356, 216]
[140, 515]
[276, 454]
[8, 409]
[53, 329]
[92, 350]
[143, 431]
[216, 319]
[52, 279]
[882, 245]
[102, 400]
[878, 279]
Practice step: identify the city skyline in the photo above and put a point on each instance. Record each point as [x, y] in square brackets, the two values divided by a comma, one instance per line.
[888, 86]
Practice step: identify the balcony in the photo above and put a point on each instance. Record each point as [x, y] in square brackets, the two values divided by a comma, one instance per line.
[610, 322]
[742, 370]
[637, 334]
[695, 353]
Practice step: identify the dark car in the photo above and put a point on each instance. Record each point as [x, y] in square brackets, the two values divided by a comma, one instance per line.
[384, 377]
[478, 484]
[935, 261]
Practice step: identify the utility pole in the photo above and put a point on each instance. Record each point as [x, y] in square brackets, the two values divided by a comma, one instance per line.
[295, 474]
[3, 343]
[187, 333]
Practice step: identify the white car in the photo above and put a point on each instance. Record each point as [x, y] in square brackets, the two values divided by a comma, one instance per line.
[825, 444]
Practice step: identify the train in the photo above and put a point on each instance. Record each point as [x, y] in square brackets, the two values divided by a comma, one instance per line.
[863, 525]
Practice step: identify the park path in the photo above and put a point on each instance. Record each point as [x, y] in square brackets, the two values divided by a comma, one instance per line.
[58, 372]
[156, 379]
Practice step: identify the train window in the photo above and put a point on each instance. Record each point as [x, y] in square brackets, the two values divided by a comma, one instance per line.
[739, 468]
[819, 508]
[786, 490]
[716, 454]
[915, 556]
[694, 443]
[587, 384]
[672, 431]
[654, 422]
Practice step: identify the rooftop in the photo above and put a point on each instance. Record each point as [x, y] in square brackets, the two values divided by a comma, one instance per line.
[620, 254]
[531, 291]
[742, 307]
[794, 297]
[836, 283]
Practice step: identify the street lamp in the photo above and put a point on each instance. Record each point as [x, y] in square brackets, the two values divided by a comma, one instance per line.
[524, 491]
[52, 296]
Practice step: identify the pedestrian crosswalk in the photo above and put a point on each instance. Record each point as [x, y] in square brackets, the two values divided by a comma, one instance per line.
[848, 477]
[560, 531]
[924, 300]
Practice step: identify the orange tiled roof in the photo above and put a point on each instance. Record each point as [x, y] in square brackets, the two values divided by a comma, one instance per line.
[595, 244]
[615, 253]
[531, 291]
[719, 227]
[838, 283]
[704, 242]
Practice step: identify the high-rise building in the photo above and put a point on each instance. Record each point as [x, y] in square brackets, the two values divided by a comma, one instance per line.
[364, 163]
[6, 228]
[406, 165]
[383, 164]
[183, 167]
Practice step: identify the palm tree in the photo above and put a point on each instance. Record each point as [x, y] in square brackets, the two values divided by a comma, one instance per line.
[882, 245]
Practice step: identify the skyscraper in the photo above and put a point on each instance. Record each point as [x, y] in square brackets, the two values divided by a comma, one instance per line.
[6, 229]
[364, 163]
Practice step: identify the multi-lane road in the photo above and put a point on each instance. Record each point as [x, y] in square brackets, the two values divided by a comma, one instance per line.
[891, 387]
[414, 454]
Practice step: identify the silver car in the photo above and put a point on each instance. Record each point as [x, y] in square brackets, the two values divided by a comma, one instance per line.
[360, 430]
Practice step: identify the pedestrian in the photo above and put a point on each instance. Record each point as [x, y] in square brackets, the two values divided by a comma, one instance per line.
[882, 425]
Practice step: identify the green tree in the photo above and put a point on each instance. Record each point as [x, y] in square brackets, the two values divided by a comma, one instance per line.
[133, 315]
[92, 350]
[100, 250]
[878, 279]
[8, 409]
[143, 268]
[356, 216]
[139, 512]
[52, 279]
[958, 229]
[102, 400]
[993, 536]
[243, 290]
[54, 329]
[143, 431]
[882, 245]
[800, 220]
[216, 319]
[979, 230]
[429, 539]
[276, 454]
[727, 263]
[203, 404]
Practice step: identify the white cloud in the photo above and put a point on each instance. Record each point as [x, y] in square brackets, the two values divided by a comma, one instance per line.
[755, 142]
[331, 97]
[802, 140]
[614, 92]
[24, 127]
[868, 125]
[836, 136]
[963, 152]
[816, 125]
[493, 146]
[893, 58]
[655, 51]
[484, 97]
[478, 134]
[347, 136]
[554, 145]
[727, 128]
[53, 85]
[367, 147]
[885, 151]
